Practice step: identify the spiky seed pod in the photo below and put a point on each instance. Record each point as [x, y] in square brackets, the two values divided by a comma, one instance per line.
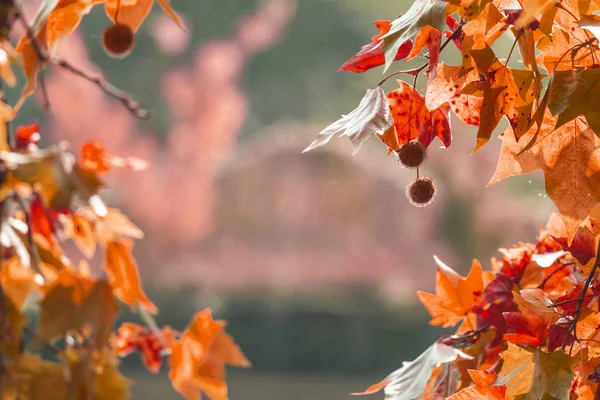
[412, 154]
[118, 40]
[421, 191]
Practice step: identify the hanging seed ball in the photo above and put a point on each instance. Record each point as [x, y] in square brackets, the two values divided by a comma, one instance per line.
[412, 154]
[118, 40]
[421, 191]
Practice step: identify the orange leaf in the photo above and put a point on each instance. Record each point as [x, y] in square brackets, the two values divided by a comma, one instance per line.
[133, 12]
[124, 276]
[482, 389]
[198, 359]
[95, 158]
[414, 121]
[65, 18]
[454, 295]
[570, 160]
[445, 89]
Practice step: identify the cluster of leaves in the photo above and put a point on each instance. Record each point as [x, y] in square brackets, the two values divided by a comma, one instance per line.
[529, 328]
[56, 314]
[549, 102]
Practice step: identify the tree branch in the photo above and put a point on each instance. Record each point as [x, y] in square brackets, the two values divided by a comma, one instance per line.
[126, 99]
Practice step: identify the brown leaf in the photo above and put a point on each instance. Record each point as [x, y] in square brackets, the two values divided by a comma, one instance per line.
[570, 159]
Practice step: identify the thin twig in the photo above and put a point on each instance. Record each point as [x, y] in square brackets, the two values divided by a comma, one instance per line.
[45, 96]
[35, 256]
[551, 274]
[48, 346]
[417, 71]
[133, 106]
[581, 299]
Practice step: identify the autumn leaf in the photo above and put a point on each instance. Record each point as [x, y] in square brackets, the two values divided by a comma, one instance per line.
[371, 55]
[535, 373]
[115, 225]
[505, 91]
[81, 230]
[124, 277]
[198, 359]
[133, 12]
[432, 38]
[421, 14]
[151, 345]
[481, 388]
[73, 301]
[65, 18]
[409, 382]
[573, 93]
[528, 329]
[534, 10]
[95, 158]
[446, 88]
[570, 160]
[554, 48]
[483, 30]
[413, 120]
[370, 117]
[454, 295]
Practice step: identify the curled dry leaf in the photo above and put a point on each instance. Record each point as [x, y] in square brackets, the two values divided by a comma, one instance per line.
[370, 117]
[409, 382]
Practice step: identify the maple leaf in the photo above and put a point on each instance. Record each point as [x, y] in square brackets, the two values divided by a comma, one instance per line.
[554, 48]
[420, 14]
[483, 30]
[574, 93]
[535, 373]
[528, 329]
[446, 88]
[81, 230]
[413, 120]
[534, 10]
[454, 295]
[432, 38]
[482, 388]
[198, 359]
[73, 301]
[583, 246]
[64, 18]
[410, 381]
[151, 345]
[371, 116]
[371, 55]
[505, 91]
[570, 160]
[123, 275]
[133, 12]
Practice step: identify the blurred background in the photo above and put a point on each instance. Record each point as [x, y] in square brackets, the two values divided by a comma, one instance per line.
[314, 259]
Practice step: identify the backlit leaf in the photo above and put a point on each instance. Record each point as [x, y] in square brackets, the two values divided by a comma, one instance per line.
[409, 382]
[370, 117]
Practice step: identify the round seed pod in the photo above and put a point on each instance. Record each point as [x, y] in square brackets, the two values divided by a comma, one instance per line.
[421, 191]
[118, 40]
[412, 154]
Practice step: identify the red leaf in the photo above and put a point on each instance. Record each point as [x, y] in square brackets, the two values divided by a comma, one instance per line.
[371, 55]
[414, 121]
[529, 329]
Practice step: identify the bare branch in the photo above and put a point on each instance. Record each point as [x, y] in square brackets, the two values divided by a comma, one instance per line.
[126, 99]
